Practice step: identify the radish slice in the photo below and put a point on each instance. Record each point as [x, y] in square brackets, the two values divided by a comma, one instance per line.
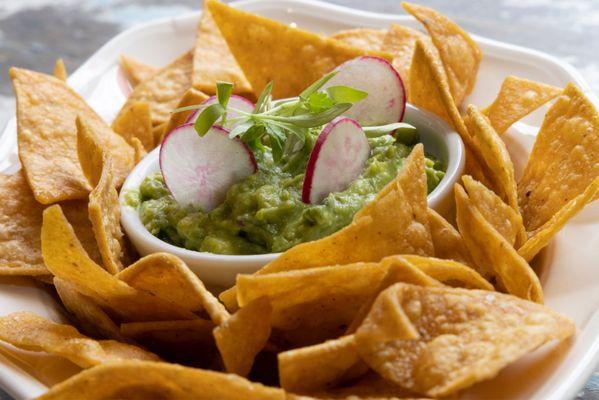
[199, 170]
[386, 101]
[238, 102]
[337, 159]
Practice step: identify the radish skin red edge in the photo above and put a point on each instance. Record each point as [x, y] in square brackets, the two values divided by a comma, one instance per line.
[386, 100]
[198, 170]
[235, 101]
[337, 159]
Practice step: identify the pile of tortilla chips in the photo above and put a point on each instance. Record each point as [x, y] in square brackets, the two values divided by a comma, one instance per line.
[401, 303]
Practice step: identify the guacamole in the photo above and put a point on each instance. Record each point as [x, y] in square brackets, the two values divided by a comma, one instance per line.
[264, 213]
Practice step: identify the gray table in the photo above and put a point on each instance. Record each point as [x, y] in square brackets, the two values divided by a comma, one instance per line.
[34, 32]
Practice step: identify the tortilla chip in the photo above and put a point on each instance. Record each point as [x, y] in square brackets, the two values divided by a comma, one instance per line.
[158, 133]
[142, 380]
[104, 208]
[190, 98]
[47, 137]
[502, 217]
[213, 61]
[447, 241]
[28, 331]
[89, 315]
[362, 38]
[564, 160]
[452, 338]
[369, 387]
[60, 70]
[493, 255]
[136, 71]
[461, 56]
[321, 366]
[516, 99]
[401, 42]
[65, 258]
[163, 90]
[21, 224]
[138, 147]
[395, 222]
[541, 236]
[269, 50]
[167, 277]
[240, 338]
[135, 122]
[449, 272]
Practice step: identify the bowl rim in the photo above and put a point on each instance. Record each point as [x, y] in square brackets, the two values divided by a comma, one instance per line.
[132, 225]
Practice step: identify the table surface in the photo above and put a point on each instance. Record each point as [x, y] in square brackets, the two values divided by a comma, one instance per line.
[33, 33]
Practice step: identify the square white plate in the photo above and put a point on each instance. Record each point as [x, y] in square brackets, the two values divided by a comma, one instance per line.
[570, 276]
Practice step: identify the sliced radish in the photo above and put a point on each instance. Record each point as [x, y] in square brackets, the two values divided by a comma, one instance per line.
[386, 101]
[199, 170]
[238, 102]
[337, 159]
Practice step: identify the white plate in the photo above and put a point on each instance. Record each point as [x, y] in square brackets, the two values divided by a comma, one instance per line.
[570, 276]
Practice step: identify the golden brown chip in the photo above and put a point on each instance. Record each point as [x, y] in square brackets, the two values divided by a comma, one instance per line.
[167, 277]
[362, 38]
[241, 337]
[89, 315]
[449, 272]
[401, 41]
[29, 331]
[564, 160]
[190, 98]
[447, 241]
[502, 217]
[60, 71]
[164, 89]
[65, 258]
[158, 133]
[47, 137]
[104, 208]
[370, 387]
[441, 340]
[321, 366]
[395, 222]
[213, 61]
[138, 147]
[21, 224]
[492, 254]
[269, 50]
[142, 380]
[135, 122]
[461, 56]
[541, 236]
[516, 99]
[136, 71]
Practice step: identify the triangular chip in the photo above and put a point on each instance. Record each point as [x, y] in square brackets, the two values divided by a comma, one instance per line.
[140, 151]
[564, 160]
[213, 61]
[166, 276]
[145, 379]
[241, 337]
[362, 38]
[504, 218]
[29, 331]
[448, 339]
[516, 99]
[136, 71]
[449, 272]
[136, 122]
[47, 137]
[540, 237]
[164, 89]
[268, 50]
[60, 71]
[104, 207]
[65, 258]
[493, 255]
[447, 241]
[461, 56]
[401, 41]
[191, 97]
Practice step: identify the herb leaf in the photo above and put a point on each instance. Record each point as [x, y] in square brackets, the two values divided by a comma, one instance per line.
[208, 117]
[263, 99]
[345, 94]
[313, 120]
[316, 85]
[223, 92]
[318, 102]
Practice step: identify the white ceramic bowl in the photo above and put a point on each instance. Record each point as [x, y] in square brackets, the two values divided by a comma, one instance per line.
[218, 270]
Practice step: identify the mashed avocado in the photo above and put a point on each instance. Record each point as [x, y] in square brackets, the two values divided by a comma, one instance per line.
[264, 213]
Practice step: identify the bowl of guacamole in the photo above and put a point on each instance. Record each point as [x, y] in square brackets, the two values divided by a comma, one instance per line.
[263, 214]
